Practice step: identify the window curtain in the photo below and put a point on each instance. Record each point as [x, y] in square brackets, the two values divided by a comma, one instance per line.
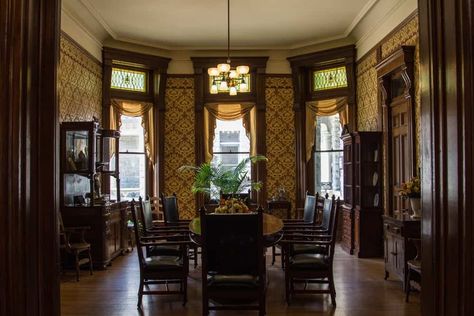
[323, 108]
[229, 112]
[143, 109]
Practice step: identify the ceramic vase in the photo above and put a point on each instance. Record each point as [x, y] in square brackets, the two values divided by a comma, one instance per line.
[415, 204]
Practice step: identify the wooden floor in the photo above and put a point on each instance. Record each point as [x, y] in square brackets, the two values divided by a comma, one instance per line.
[360, 287]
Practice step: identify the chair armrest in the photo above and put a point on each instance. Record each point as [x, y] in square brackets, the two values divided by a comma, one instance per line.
[168, 243]
[312, 242]
[306, 236]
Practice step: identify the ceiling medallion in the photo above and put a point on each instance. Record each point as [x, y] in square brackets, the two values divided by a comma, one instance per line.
[223, 77]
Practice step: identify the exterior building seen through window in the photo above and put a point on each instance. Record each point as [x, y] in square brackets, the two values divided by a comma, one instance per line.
[328, 156]
[132, 159]
[231, 145]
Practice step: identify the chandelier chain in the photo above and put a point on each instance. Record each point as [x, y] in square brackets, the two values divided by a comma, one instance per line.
[228, 31]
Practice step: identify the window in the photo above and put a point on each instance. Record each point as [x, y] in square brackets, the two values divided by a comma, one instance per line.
[130, 80]
[330, 79]
[328, 156]
[230, 146]
[132, 159]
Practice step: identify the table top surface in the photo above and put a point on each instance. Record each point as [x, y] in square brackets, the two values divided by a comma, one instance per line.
[271, 225]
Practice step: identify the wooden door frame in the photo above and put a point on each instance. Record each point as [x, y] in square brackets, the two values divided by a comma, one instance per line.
[447, 112]
[29, 163]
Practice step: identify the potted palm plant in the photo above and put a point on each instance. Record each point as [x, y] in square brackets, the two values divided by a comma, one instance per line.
[214, 180]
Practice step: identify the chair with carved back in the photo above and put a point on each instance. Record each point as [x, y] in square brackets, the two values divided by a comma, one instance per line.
[311, 267]
[160, 269]
[73, 242]
[413, 274]
[233, 262]
[171, 219]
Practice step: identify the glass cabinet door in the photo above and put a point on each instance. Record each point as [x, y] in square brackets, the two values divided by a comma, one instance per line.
[77, 151]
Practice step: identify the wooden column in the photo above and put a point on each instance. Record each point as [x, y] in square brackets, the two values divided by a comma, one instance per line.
[447, 112]
[29, 54]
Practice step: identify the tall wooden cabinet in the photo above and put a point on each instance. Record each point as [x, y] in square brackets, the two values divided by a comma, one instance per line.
[89, 157]
[362, 210]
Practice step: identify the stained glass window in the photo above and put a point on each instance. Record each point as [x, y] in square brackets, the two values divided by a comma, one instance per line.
[226, 89]
[330, 79]
[130, 80]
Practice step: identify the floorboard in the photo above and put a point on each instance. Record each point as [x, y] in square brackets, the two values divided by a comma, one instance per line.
[360, 287]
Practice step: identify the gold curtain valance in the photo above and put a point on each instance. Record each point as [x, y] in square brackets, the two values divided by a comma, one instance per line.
[135, 109]
[229, 112]
[323, 108]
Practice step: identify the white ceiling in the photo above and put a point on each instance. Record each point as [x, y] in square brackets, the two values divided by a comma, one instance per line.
[202, 24]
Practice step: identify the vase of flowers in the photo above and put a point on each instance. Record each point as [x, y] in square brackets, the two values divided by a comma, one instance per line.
[411, 190]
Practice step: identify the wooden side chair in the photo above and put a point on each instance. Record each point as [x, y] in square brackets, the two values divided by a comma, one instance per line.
[164, 269]
[73, 242]
[311, 267]
[323, 229]
[233, 262]
[171, 218]
[307, 220]
[413, 275]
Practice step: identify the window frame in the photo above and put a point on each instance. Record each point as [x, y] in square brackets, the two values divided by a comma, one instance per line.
[121, 152]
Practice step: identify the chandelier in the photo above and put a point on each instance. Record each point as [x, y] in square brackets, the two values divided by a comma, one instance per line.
[223, 77]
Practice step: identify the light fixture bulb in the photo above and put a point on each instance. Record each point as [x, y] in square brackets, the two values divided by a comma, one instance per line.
[243, 87]
[233, 74]
[214, 88]
[213, 71]
[242, 70]
[223, 68]
[223, 85]
[233, 90]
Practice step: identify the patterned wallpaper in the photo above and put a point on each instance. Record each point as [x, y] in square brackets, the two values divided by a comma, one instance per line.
[79, 83]
[281, 144]
[179, 142]
[367, 106]
[367, 100]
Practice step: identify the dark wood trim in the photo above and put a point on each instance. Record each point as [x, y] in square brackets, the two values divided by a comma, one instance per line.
[79, 47]
[447, 112]
[302, 68]
[29, 164]
[156, 68]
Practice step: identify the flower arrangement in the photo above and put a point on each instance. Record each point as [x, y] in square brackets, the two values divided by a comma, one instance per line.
[232, 206]
[411, 188]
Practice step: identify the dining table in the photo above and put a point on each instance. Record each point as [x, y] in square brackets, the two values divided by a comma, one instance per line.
[272, 229]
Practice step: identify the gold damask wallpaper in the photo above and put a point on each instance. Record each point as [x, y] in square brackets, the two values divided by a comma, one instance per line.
[281, 143]
[368, 116]
[367, 105]
[79, 83]
[179, 141]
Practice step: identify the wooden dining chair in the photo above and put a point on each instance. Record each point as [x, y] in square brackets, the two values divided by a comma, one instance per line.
[307, 220]
[73, 242]
[171, 218]
[162, 269]
[233, 262]
[311, 267]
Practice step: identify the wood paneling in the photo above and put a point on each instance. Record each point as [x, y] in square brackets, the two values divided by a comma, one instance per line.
[29, 52]
[447, 105]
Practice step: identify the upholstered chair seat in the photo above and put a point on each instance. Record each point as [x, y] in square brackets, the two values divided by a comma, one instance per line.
[309, 248]
[310, 261]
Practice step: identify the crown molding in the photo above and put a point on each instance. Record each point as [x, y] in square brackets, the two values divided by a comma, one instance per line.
[98, 17]
[362, 13]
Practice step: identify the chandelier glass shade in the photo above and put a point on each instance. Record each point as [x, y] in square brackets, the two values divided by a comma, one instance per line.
[223, 77]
